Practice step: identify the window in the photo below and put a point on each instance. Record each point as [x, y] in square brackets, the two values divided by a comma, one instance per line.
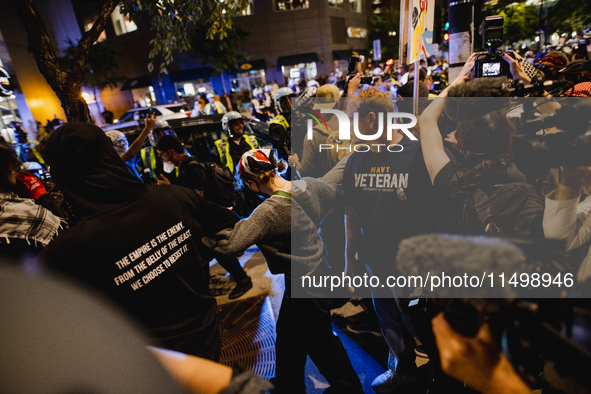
[249, 9]
[355, 5]
[336, 3]
[178, 108]
[126, 117]
[377, 6]
[286, 5]
[121, 23]
[144, 113]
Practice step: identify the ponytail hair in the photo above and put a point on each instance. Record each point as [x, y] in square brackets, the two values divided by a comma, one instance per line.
[265, 176]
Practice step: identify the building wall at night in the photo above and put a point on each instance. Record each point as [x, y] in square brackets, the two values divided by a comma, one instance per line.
[61, 25]
[319, 29]
[282, 33]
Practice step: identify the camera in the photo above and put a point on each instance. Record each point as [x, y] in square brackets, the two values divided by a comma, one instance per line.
[530, 331]
[351, 71]
[491, 63]
[352, 68]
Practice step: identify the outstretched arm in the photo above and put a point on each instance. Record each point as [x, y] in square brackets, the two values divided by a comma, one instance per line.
[135, 147]
[247, 232]
[431, 142]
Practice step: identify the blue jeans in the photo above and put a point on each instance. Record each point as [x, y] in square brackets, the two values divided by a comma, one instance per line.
[398, 332]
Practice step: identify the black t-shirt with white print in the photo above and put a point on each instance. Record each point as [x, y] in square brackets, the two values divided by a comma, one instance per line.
[393, 197]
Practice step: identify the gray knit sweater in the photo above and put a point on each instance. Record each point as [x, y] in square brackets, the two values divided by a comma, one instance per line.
[285, 234]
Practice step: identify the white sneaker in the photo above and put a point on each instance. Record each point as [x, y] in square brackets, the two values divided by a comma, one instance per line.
[386, 382]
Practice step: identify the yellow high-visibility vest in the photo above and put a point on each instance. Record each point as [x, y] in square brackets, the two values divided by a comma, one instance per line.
[223, 146]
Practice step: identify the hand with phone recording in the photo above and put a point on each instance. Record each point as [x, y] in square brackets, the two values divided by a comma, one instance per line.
[353, 84]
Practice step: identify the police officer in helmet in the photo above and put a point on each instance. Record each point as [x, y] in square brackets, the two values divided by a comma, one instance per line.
[230, 149]
[280, 126]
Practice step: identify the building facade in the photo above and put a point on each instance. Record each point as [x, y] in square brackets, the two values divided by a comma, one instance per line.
[289, 40]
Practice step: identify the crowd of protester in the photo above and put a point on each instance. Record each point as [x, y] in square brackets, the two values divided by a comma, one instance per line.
[145, 242]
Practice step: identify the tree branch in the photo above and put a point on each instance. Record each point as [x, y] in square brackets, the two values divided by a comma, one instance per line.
[89, 38]
[40, 44]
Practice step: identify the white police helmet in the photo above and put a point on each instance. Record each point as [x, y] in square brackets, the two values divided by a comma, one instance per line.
[281, 96]
[230, 116]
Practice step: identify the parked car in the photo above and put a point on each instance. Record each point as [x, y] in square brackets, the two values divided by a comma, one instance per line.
[132, 121]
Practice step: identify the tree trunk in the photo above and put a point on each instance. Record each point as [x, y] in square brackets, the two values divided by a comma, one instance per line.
[74, 104]
[66, 85]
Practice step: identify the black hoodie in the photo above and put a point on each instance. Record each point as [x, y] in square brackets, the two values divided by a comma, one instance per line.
[138, 244]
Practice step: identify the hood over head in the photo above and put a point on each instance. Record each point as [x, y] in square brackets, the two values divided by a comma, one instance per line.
[87, 169]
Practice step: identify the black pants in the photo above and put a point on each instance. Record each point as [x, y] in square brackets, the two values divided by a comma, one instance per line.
[304, 328]
[232, 265]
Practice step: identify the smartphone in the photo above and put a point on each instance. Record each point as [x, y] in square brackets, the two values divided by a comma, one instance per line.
[150, 111]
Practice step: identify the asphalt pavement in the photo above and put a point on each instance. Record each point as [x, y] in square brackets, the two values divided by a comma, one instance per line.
[249, 327]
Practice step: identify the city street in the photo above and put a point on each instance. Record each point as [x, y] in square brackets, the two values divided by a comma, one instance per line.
[249, 327]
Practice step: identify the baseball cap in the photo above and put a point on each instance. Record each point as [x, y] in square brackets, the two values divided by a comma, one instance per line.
[327, 97]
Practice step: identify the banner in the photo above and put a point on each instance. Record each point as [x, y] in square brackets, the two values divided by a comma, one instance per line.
[377, 50]
[417, 19]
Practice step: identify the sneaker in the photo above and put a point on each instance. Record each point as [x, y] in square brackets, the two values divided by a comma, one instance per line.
[420, 352]
[363, 327]
[386, 382]
[241, 288]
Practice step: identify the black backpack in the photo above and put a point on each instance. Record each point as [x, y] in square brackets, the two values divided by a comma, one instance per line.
[220, 184]
[509, 210]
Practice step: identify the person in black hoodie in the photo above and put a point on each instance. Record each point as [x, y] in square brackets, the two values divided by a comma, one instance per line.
[136, 243]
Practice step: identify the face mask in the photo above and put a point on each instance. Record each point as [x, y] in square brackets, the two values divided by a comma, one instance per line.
[168, 167]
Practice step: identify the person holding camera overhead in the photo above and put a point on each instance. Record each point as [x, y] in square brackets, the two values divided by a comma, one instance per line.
[483, 138]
